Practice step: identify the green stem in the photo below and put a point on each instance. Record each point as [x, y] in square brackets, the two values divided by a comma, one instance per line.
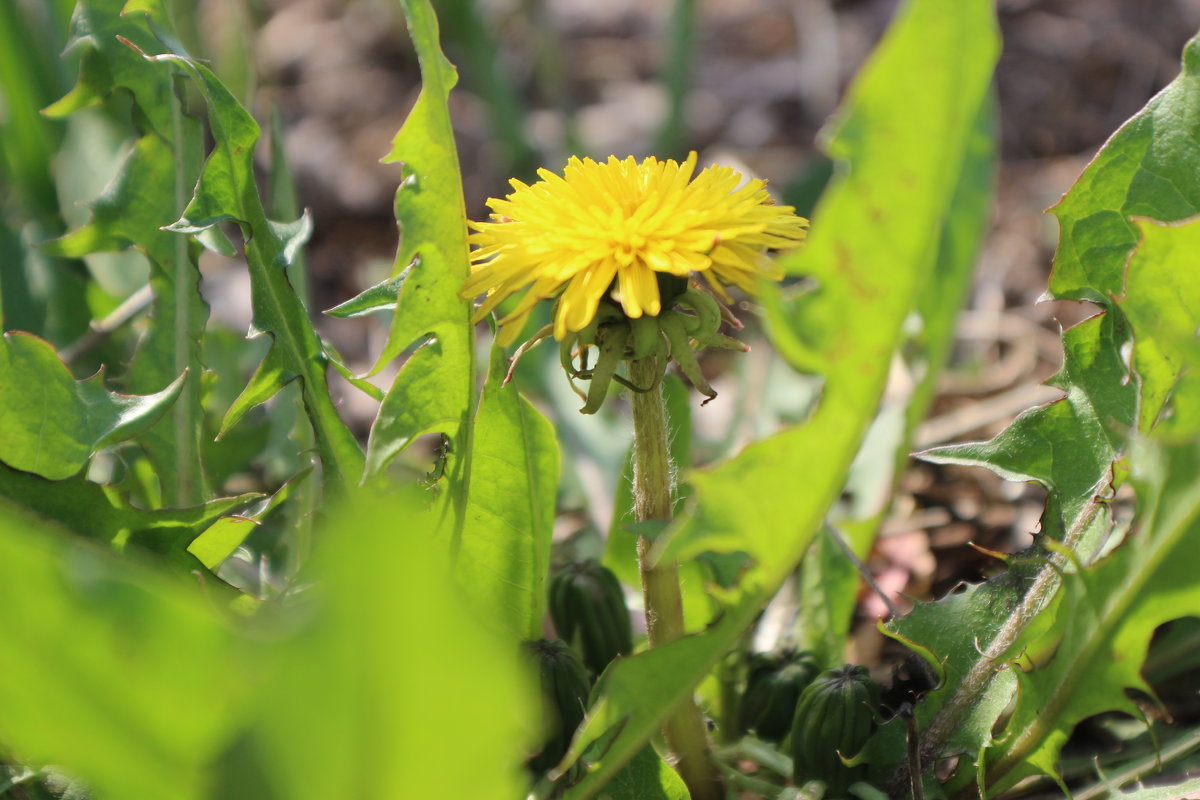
[653, 494]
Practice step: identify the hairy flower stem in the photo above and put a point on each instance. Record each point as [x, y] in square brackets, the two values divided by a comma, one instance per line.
[653, 493]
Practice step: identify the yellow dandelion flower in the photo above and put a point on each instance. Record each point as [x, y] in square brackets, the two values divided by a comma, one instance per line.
[610, 228]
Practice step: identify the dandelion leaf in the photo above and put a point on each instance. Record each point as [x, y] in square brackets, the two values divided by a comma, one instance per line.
[52, 424]
[103, 34]
[220, 539]
[227, 191]
[1068, 445]
[1106, 616]
[380, 297]
[1077, 447]
[503, 556]
[1147, 169]
[430, 267]
[372, 673]
[103, 658]
[1162, 303]
[147, 193]
[99, 512]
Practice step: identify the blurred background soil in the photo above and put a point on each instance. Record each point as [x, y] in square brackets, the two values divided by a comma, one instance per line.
[543, 79]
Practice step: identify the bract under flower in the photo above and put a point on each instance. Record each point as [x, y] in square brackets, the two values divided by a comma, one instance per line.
[610, 228]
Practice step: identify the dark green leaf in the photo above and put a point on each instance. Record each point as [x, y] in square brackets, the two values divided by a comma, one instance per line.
[147, 194]
[1107, 613]
[1074, 447]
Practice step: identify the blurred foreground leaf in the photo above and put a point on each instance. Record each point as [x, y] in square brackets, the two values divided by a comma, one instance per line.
[123, 677]
[830, 583]
[394, 691]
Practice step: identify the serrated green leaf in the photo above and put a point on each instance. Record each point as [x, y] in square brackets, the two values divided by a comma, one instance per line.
[1068, 445]
[148, 193]
[339, 365]
[503, 557]
[98, 512]
[954, 631]
[394, 690]
[227, 191]
[1058, 445]
[415, 404]
[110, 660]
[53, 424]
[1106, 617]
[1113, 607]
[107, 62]
[432, 257]
[1094, 365]
[1148, 168]
[271, 375]
[1073, 445]
[905, 130]
[137, 205]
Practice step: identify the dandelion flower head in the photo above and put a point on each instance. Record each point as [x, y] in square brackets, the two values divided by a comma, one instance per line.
[611, 228]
